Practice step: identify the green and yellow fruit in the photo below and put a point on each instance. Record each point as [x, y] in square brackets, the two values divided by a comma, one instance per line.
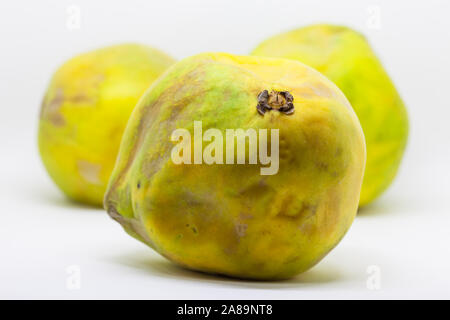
[229, 219]
[85, 111]
[345, 57]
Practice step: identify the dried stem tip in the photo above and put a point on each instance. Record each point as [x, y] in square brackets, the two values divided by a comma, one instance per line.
[275, 100]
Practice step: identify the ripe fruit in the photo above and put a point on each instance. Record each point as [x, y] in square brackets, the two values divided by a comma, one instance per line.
[230, 218]
[84, 113]
[345, 57]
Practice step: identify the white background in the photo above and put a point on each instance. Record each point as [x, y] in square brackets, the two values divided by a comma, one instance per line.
[405, 234]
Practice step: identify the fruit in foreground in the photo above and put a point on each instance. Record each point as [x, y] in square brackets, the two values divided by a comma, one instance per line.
[85, 111]
[345, 57]
[237, 219]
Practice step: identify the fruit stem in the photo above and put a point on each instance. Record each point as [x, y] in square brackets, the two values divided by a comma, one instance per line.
[281, 101]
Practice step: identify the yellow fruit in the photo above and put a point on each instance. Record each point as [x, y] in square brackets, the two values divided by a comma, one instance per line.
[85, 111]
[229, 218]
[345, 57]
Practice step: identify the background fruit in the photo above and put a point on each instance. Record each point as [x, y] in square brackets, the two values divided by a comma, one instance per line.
[230, 219]
[346, 58]
[84, 113]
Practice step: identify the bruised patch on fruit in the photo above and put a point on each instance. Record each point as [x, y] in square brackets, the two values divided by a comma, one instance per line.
[255, 190]
[241, 229]
[50, 110]
[82, 99]
[89, 171]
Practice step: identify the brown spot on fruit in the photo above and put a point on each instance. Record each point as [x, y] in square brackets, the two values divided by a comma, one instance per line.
[241, 229]
[82, 98]
[322, 166]
[89, 171]
[51, 110]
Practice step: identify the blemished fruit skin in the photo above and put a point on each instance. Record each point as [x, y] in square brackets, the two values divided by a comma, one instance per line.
[84, 113]
[346, 58]
[229, 219]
